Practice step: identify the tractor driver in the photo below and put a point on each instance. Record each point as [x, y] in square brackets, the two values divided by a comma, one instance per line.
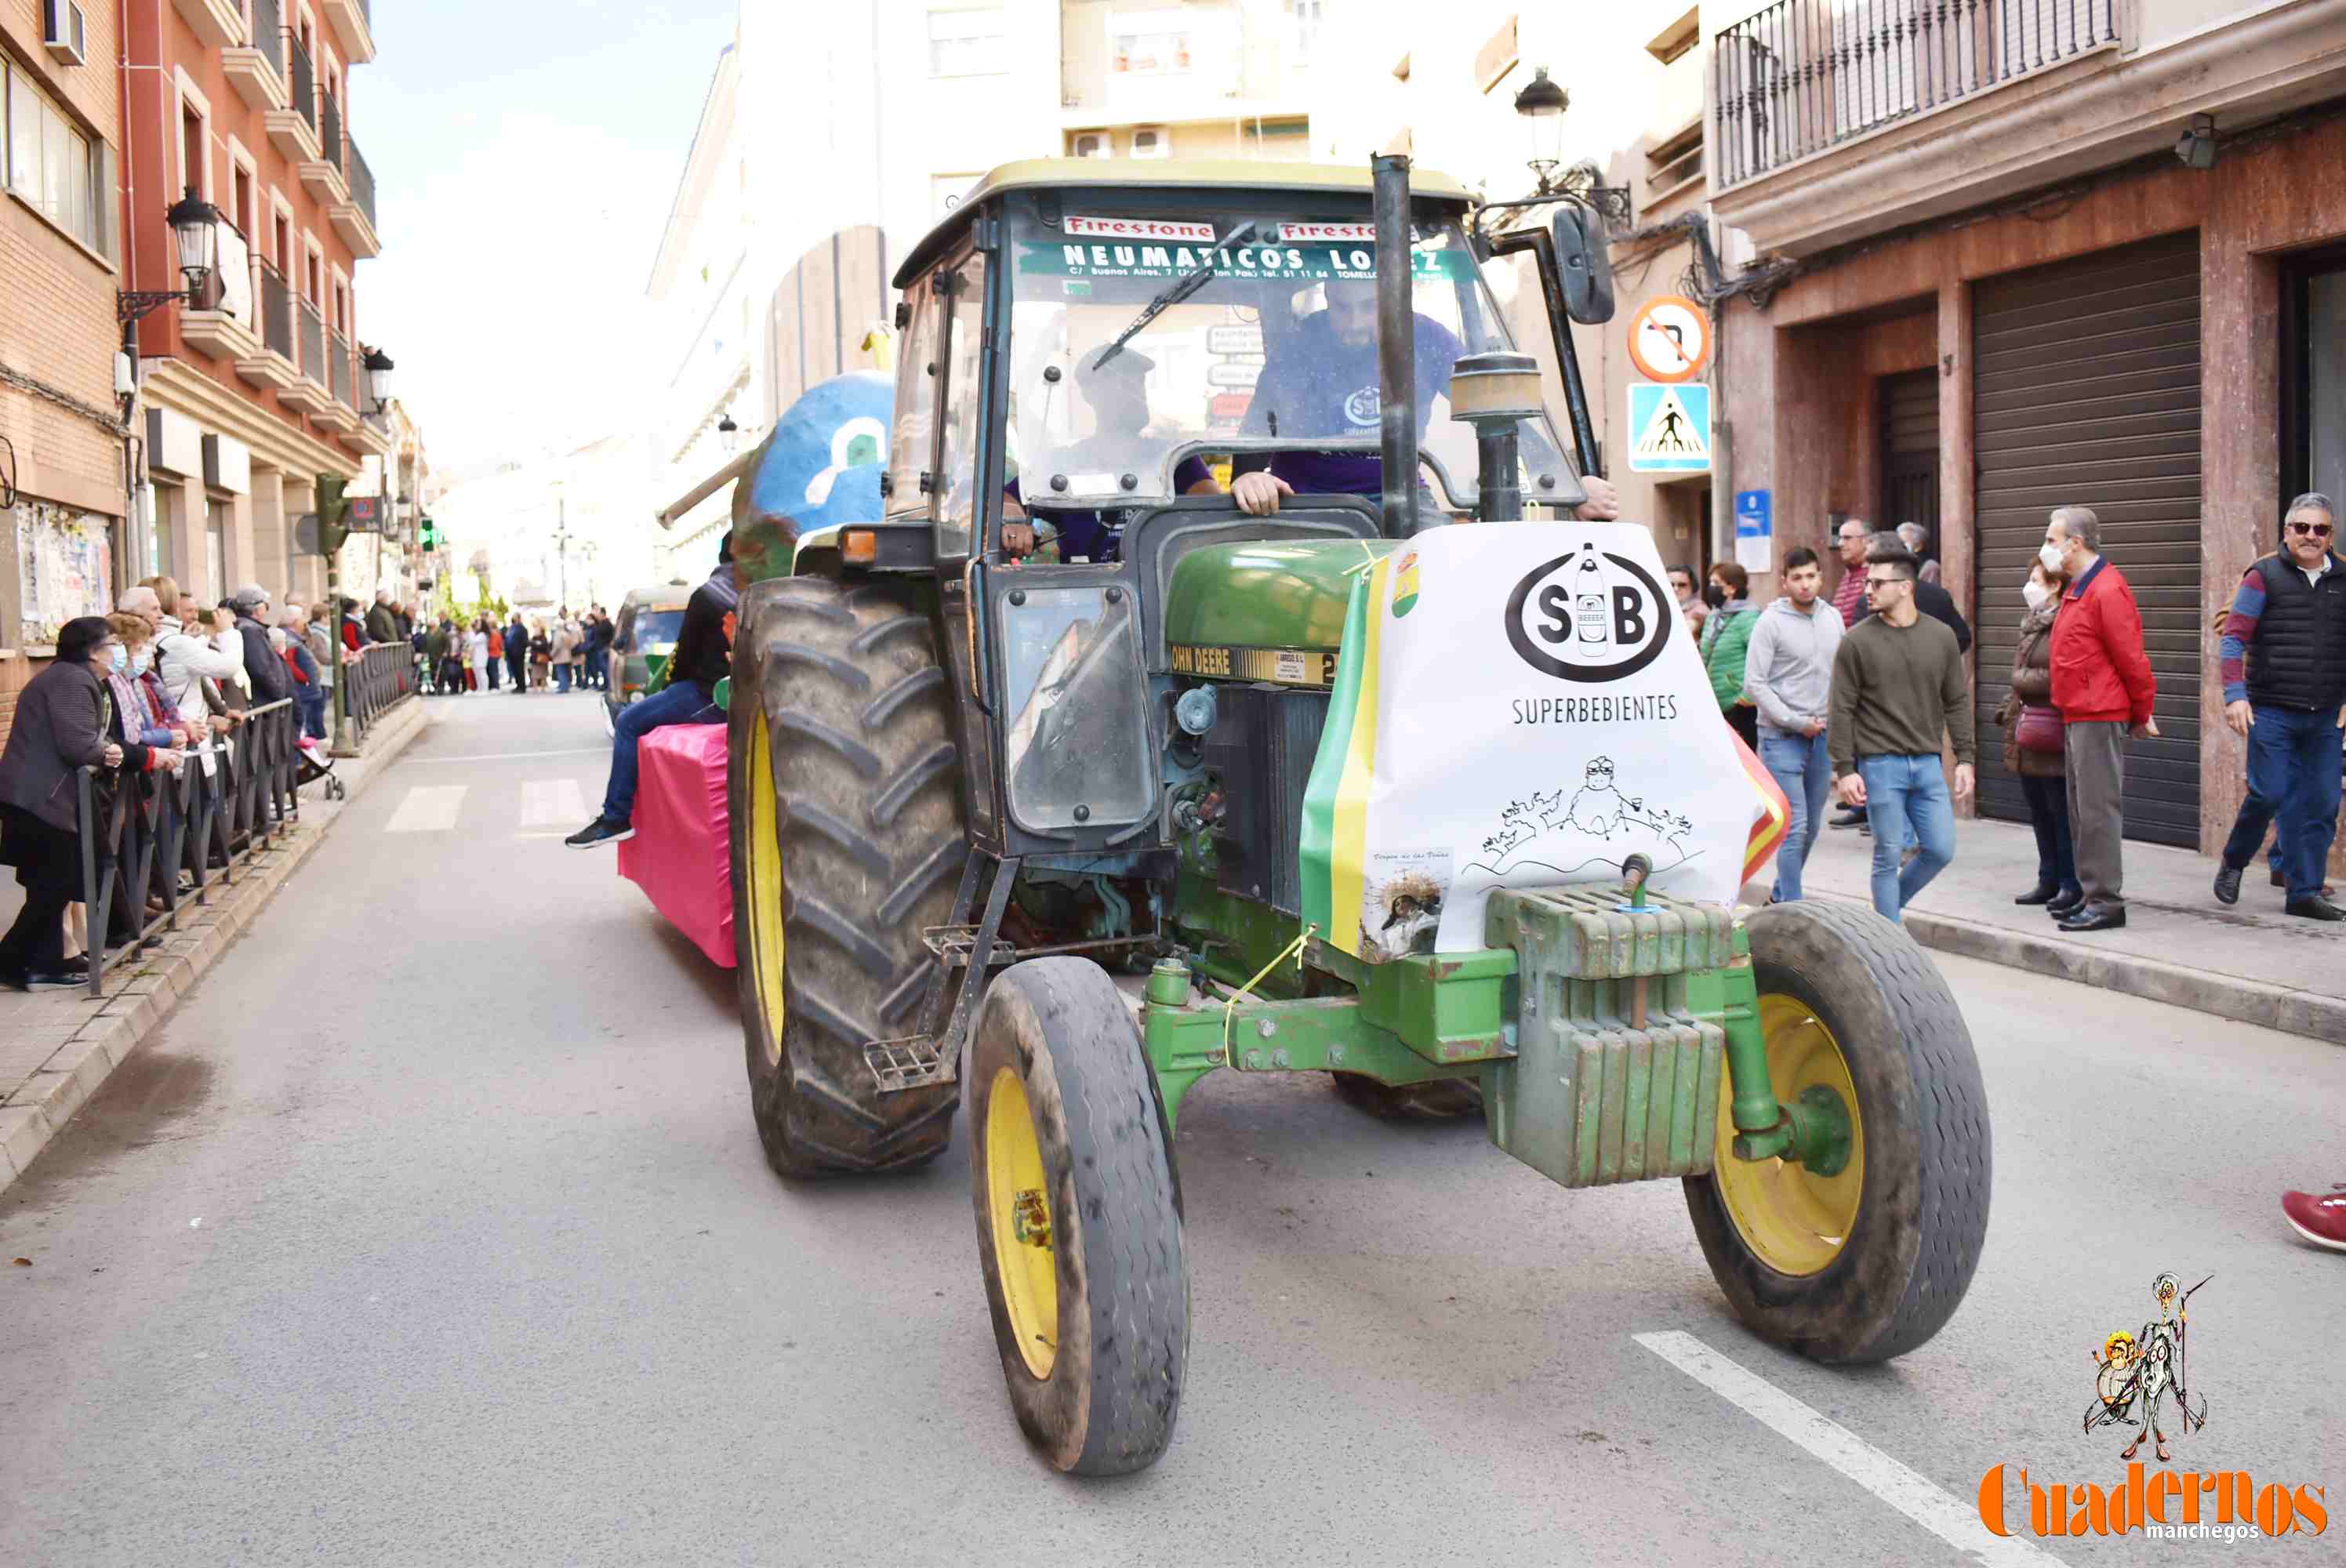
[1117, 392]
[1325, 382]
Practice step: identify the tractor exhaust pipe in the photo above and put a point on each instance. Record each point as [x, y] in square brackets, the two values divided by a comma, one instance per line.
[1396, 344]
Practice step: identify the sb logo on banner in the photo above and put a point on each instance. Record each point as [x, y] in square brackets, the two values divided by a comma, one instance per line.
[1589, 615]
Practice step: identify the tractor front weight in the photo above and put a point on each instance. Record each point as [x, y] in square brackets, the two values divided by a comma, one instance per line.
[1599, 1031]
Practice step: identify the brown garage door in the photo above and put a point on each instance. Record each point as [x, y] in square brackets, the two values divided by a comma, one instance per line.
[2086, 392]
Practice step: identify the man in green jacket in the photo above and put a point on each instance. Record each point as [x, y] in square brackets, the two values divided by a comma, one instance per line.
[1726, 638]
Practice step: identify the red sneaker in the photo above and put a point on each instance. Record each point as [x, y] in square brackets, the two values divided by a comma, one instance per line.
[2320, 1220]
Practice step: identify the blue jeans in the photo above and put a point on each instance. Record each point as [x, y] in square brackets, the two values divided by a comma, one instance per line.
[1903, 794]
[562, 678]
[686, 702]
[309, 703]
[1803, 771]
[2294, 777]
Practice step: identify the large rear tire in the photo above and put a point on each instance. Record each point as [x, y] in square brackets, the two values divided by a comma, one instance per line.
[1078, 1217]
[1870, 1261]
[847, 841]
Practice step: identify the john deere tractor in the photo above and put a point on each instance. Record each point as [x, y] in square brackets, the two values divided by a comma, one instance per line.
[1021, 766]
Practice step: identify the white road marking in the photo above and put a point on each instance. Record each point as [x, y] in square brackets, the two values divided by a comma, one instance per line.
[549, 802]
[428, 808]
[604, 750]
[1955, 1522]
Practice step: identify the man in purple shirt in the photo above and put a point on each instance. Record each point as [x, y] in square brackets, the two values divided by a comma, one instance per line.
[1325, 384]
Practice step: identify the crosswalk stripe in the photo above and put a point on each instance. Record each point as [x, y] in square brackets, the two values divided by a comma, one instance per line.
[428, 808]
[551, 803]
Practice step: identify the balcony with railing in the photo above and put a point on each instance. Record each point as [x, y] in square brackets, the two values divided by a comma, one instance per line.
[255, 66]
[353, 25]
[273, 364]
[323, 174]
[1804, 76]
[293, 127]
[353, 218]
[338, 364]
[309, 393]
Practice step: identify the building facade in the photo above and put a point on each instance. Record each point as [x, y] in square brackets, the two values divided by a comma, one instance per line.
[63, 485]
[773, 272]
[254, 389]
[2091, 252]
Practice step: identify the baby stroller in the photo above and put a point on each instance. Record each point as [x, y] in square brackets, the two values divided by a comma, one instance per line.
[316, 763]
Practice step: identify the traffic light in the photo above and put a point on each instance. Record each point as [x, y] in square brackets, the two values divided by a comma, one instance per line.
[430, 537]
[332, 526]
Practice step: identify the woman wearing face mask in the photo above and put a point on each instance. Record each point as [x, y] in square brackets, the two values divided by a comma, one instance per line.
[1726, 640]
[2031, 742]
[64, 721]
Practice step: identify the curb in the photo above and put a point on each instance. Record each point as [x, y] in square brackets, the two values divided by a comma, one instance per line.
[39, 1108]
[2310, 1013]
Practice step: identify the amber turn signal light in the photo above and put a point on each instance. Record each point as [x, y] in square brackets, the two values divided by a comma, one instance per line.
[859, 547]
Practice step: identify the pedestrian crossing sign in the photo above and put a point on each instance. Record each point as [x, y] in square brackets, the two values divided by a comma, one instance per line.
[1671, 426]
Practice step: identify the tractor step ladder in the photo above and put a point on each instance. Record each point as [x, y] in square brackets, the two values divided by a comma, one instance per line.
[932, 1058]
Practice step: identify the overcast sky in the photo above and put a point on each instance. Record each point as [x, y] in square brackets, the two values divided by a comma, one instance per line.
[525, 156]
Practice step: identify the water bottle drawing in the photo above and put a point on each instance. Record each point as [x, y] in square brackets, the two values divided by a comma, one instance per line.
[1589, 601]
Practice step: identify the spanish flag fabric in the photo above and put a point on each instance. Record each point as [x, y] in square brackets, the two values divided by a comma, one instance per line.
[1518, 705]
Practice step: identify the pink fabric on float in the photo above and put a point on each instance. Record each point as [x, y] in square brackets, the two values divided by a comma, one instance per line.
[679, 855]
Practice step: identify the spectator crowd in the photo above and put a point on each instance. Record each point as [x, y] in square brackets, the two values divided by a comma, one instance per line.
[555, 653]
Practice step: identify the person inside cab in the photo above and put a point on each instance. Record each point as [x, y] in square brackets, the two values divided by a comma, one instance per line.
[1117, 396]
[1323, 381]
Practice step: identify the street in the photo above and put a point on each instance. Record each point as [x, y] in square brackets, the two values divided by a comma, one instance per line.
[434, 1228]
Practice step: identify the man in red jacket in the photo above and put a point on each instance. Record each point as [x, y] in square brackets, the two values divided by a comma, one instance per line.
[2103, 686]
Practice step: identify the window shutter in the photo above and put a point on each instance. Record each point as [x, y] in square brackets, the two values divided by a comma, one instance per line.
[106, 224]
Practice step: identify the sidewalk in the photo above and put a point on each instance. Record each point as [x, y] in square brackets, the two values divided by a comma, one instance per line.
[57, 1046]
[2249, 962]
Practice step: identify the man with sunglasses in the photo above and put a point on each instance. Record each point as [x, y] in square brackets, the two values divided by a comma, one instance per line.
[1897, 687]
[2284, 671]
[2103, 685]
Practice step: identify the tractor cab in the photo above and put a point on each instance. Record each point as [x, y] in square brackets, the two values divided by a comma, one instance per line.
[1089, 357]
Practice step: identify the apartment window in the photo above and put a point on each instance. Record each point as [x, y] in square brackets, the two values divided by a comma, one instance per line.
[240, 202]
[1149, 43]
[282, 245]
[191, 148]
[1307, 15]
[968, 43]
[50, 163]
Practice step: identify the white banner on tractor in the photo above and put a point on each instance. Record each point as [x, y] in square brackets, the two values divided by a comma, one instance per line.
[1519, 705]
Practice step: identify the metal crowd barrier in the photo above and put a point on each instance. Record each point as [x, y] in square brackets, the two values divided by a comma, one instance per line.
[383, 677]
[139, 830]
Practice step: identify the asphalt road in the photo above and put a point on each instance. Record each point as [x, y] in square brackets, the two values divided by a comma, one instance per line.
[433, 1229]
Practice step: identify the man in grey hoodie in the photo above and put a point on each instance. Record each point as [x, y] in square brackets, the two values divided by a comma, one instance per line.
[1788, 675]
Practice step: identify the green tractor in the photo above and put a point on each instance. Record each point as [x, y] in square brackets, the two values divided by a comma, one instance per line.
[1021, 776]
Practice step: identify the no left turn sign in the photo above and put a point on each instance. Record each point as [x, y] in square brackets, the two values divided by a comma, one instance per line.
[1670, 338]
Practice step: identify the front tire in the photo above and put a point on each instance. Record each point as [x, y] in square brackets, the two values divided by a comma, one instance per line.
[1078, 1217]
[847, 840]
[1870, 1262]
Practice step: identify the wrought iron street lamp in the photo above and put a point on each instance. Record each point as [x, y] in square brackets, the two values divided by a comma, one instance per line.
[378, 374]
[195, 233]
[729, 435]
[1542, 103]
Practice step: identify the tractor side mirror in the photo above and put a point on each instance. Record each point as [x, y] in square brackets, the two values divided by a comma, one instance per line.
[1584, 268]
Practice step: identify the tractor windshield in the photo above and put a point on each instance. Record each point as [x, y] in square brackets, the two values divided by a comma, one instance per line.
[1275, 350]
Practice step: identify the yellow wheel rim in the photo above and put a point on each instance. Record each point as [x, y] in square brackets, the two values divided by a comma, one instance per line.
[1019, 1207]
[765, 887]
[1795, 1221]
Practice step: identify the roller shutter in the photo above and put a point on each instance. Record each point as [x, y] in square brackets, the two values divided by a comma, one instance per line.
[2086, 392]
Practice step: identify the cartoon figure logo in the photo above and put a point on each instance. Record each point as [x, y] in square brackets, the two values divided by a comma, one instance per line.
[2141, 1372]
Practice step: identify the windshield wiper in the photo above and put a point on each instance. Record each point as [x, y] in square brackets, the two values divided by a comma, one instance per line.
[1180, 290]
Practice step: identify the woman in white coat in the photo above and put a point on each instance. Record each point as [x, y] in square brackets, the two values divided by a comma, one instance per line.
[476, 653]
